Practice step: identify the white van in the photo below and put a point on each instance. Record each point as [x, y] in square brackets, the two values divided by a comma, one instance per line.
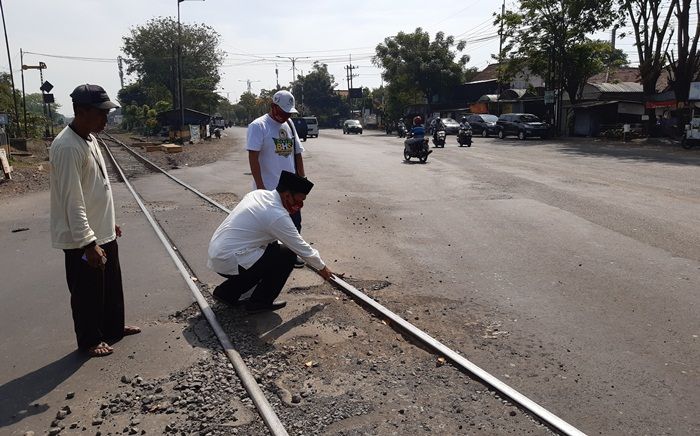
[312, 124]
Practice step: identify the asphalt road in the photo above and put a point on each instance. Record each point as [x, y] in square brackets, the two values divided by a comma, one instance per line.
[587, 254]
[581, 261]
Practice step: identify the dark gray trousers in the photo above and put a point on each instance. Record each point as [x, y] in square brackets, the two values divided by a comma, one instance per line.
[96, 297]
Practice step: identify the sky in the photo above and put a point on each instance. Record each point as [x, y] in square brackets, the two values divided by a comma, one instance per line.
[63, 33]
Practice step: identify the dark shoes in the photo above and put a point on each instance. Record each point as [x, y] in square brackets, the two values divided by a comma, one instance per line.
[252, 308]
[226, 298]
[299, 263]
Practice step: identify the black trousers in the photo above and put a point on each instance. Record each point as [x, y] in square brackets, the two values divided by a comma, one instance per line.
[96, 297]
[269, 273]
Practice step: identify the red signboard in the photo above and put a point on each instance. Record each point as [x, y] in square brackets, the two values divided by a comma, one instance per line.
[655, 104]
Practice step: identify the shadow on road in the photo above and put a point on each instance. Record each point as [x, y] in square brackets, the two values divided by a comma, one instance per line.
[281, 328]
[647, 153]
[18, 396]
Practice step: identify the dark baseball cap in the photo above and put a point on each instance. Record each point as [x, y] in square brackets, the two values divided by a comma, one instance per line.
[92, 95]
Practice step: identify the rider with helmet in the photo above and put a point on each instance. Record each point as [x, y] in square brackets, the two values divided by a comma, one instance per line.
[418, 131]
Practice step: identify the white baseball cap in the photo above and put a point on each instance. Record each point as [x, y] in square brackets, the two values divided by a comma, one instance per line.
[285, 100]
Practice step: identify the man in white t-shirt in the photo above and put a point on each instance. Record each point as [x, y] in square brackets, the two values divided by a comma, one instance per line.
[245, 248]
[273, 146]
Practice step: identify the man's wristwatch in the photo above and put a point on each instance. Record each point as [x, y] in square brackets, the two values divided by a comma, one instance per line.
[90, 245]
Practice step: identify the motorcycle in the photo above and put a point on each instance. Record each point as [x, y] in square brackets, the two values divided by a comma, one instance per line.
[401, 130]
[439, 138]
[464, 136]
[416, 147]
[691, 136]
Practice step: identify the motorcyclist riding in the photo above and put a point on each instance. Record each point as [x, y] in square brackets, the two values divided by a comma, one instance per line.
[464, 135]
[418, 131]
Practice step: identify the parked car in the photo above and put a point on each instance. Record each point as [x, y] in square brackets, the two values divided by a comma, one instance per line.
[522, 125]
[450, 126]
[483, 124]
[312, 126]
[352, 126]
[302, 128]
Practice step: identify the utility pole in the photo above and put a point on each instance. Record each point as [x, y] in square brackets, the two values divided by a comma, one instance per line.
[24, 99]
[612, 44]
[349, 73]
[277, 75]
[302, 92]
[500, 56]
[121, 71]
[294, 65]
[179, 71]
[12, 76]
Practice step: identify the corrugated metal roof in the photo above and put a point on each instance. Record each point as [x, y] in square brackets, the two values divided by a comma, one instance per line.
[618, 87]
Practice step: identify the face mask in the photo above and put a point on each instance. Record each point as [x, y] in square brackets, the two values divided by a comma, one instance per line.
[293, 206]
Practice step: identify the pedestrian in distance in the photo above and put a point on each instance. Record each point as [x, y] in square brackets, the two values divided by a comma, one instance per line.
[245, 249]
[273, 146]
[83, 225]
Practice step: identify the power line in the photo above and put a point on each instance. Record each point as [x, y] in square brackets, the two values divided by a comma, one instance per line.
[73, 58]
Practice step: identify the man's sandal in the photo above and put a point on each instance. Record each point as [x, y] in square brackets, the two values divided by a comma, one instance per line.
[100, 350]
[131, 330]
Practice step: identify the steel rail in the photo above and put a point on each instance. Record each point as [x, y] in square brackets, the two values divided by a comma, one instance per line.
[266, 412]
[175, 179]
[439, 348]
[526, 404]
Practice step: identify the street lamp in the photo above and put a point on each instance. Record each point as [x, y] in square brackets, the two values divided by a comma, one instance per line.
[294, 65]
[180, 91]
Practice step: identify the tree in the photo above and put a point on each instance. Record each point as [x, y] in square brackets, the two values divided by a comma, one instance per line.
[548, 38]
[240, 113]
[585, 60]
[249, 102]
[651, 33]
[415, 65]
[37, 119]
[141, 94]
[684, 64]
[315, 94]
[151, 51]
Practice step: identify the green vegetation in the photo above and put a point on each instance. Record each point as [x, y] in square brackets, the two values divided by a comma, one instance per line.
[550, 39]
[418, 70]
[37, 121]
[151, 51]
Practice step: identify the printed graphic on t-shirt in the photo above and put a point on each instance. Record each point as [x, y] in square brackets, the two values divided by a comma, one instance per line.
[284, 145]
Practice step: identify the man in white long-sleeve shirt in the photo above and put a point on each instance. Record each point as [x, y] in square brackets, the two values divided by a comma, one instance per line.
[83, 225]
[245, 248]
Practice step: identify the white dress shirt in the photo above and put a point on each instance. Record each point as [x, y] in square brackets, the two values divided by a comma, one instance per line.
[258, 220]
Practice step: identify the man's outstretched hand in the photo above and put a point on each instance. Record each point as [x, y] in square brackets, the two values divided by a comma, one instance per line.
[328, 274]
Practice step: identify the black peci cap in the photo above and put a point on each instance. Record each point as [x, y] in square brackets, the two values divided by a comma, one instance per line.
[292, 182]
[92, 95]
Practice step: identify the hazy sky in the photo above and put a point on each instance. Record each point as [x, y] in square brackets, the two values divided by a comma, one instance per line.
[252, 33]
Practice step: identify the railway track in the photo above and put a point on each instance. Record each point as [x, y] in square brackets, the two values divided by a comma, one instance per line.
[128, 163]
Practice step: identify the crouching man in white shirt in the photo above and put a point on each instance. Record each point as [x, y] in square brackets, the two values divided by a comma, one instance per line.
[245, 248]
